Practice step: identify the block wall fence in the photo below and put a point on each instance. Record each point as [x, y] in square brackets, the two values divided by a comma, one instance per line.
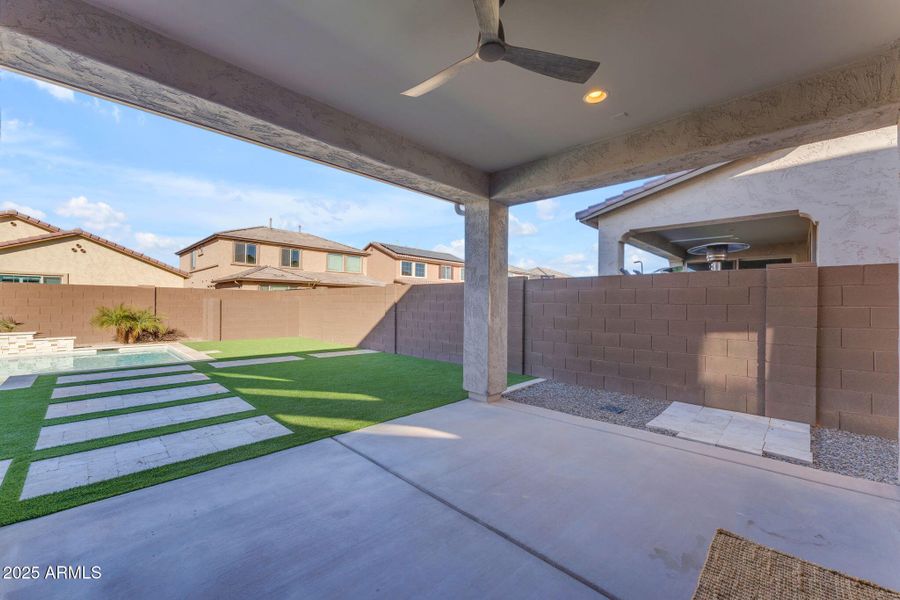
[807, 343]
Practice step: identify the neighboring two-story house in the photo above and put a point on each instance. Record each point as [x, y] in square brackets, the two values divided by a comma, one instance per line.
[32, 251]
[266, 258]
[390, 263]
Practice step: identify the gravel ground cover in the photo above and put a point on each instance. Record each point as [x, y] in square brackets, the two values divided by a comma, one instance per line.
[843, 452]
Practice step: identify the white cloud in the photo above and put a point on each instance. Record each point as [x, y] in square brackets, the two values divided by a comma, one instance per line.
[93, 216]
[28, 210]
[546, 209]
[518, 227]
[151, 242]
[58, 92]
[107, 108]
[456, 247]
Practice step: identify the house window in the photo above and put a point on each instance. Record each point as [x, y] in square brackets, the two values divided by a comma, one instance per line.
[46, 279]
[193, 259]
[290, 257]
[344, 263]
[276, 287]
[446, 272]
[406, 268]
[245, 253]
[462, 273]
[420, 269]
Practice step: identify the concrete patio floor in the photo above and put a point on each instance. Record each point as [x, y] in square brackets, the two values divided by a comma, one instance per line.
[461, 501]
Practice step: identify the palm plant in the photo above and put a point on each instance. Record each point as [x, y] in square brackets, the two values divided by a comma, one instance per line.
[128, 322]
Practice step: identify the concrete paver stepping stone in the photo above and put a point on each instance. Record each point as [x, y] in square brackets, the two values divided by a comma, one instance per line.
[92, 429]
[755, 434]
[130, 384]
[4, 465]
[224, 364]
[91, 405]
[73, 470]
[122, 374]
[18, 382]
[342, 353]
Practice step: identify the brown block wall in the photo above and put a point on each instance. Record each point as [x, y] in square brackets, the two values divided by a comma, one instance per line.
[692, 337]
[792, 297]
[857, 349]
[65, 310]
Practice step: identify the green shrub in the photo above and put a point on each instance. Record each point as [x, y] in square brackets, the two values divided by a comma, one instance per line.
[129, 322]
[8, 324]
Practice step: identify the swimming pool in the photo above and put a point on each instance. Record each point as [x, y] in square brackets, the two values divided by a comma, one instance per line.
[88, 360]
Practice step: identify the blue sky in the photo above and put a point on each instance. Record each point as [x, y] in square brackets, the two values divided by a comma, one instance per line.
[155, 185]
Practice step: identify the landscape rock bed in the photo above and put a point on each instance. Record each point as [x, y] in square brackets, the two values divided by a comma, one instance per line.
[842, 452]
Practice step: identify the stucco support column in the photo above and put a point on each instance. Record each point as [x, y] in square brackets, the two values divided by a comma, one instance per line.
[486, 295]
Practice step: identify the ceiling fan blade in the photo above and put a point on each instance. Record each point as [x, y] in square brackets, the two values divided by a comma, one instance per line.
[441, 78]
[567, 68]
[488, 14]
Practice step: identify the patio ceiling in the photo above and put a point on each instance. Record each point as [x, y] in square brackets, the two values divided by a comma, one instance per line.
[700, 82]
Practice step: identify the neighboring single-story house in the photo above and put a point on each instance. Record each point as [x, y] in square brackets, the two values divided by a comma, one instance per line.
[835, 202]
[391, 263]
[32, 251]
[537, 273]
[268, 258]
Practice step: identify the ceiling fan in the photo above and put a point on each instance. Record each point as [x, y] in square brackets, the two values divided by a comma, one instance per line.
[492, 47]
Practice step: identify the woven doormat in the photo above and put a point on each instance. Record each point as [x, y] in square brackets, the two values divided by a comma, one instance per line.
[738, 569]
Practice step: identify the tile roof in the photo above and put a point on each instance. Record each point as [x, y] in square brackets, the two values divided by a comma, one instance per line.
[61, 234]
[276, 275]
[418, 252]
[648, 188]
[538, 272]
[272, 235]
[29, 219]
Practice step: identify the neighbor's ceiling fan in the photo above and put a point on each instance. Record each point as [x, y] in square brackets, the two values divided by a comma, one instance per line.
[492, 47]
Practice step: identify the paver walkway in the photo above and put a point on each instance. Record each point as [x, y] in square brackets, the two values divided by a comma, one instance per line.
[83, 407]
[17, 382]
[92, 429]
[244, 362]
[122, 374]
[342, 353]
[4, 465]
[739, 431]
[130, 384]
[73, 470]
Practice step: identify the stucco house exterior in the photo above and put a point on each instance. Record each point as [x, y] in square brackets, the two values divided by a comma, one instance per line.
[32, 251]
[835, 202]
[391, 263]
[267, 258]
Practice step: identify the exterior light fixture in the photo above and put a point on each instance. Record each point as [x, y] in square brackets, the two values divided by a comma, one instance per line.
[595, 96]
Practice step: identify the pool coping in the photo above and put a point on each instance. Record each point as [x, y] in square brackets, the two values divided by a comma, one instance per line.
[184, 353]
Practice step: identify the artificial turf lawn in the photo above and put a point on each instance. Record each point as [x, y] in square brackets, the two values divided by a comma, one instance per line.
[314, 398]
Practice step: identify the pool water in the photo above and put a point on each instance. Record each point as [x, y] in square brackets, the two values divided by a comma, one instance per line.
[87, 361]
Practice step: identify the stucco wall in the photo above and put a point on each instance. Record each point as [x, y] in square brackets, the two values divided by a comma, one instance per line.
[217, 261]
[12, 228]
[82, 261]
[848, 185]
[387, 269]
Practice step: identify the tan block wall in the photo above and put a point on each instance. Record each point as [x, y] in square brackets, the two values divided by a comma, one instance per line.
[857, 349]
[81, 261]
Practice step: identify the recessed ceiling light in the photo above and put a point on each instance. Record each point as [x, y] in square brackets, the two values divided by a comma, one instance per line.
[595, 96]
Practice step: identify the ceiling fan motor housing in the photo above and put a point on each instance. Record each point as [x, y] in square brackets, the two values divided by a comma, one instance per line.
[491, 51]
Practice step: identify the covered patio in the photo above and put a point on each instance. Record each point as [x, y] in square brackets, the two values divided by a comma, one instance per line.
[479, 496]
[493, 500]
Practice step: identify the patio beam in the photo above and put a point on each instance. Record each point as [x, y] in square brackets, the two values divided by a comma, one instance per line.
[485, 300]
[80, 46]
[857, 97]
